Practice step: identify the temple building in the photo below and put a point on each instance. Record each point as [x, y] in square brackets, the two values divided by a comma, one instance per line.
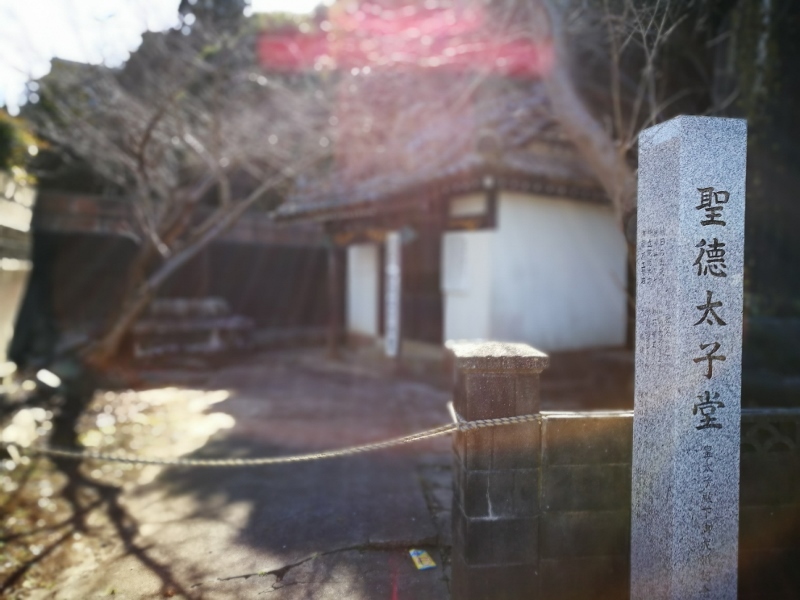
[459, 211]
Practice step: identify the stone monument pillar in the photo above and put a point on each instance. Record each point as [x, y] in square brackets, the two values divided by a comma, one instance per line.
[689, 267]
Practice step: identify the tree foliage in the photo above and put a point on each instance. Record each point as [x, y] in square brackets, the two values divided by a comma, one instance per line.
[623, 65]
[190, 132]
[15, 141]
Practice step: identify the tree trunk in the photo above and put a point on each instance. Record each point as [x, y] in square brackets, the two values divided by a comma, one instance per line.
[590, 138]
[99, 354]
[141, 265]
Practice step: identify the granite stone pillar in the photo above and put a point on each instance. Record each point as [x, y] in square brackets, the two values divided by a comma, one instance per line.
[686, 432]
[496, 472]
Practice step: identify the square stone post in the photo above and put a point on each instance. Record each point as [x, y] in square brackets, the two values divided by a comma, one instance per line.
[686, 434]
[496, 472]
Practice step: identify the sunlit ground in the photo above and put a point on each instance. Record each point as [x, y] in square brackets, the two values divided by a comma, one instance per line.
[166, 422]
[312, 528]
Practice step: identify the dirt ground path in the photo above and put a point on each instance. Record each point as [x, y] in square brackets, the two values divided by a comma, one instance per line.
[339, 528]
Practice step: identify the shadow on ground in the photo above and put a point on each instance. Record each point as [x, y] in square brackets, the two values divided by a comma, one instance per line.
[336, 528]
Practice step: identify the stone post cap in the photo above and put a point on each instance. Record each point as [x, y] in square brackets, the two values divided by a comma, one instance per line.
[483, 355]
[690, 123]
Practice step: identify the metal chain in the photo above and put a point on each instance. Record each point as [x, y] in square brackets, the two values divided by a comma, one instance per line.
[461, 425]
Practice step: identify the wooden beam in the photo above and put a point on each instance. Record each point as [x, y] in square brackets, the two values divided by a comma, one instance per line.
[72, 213]
[335, 299]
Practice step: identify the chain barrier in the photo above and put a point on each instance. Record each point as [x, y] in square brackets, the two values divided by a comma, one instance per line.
[459, 425]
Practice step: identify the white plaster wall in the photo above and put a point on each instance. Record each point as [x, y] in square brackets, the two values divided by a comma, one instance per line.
[557, 274]
[362, 289]
[466, 284]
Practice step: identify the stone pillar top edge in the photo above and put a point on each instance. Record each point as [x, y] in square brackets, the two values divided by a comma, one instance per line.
[663, 131]
[486, 355]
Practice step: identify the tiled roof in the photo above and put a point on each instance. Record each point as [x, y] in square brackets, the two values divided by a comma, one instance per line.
[440, 134]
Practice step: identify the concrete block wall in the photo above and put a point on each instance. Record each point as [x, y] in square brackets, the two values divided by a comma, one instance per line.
[496, 473]
[769, 515]
[584, 541]
[577, 495]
